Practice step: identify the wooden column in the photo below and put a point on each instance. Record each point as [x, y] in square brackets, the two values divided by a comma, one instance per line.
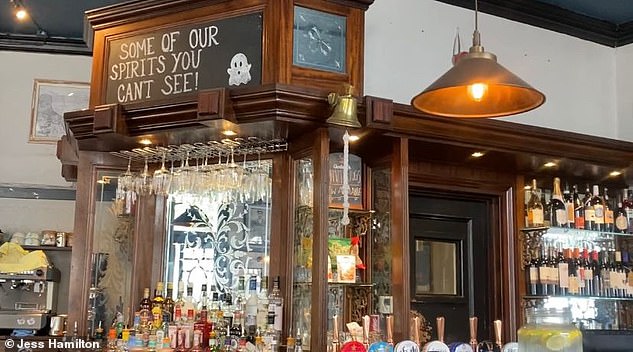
[400, 238]
[319, 246]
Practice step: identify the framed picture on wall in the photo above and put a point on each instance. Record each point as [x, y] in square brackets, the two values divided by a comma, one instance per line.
[51, 99]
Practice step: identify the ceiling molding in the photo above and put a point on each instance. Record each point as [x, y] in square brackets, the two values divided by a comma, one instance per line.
[50, 45]
[554, 18]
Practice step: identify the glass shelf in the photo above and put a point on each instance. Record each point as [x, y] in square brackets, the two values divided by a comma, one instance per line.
[588, 234]
[528, 297]
[338, 284]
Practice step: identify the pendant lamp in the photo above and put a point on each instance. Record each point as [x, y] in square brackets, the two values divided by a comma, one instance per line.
[477, 86]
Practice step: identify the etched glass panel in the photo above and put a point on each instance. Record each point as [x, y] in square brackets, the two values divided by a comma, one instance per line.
[213, 240]
[319, 40]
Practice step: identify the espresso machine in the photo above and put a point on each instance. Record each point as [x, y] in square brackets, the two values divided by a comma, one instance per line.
[29, 298]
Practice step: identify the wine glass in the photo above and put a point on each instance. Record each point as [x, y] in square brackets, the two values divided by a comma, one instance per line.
[162, 179]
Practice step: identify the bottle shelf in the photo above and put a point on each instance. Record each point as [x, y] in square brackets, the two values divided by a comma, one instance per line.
[580, 234]
[601, 298]
[47, 248]
[337, 284]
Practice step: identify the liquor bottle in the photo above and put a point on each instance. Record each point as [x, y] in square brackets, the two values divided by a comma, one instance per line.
[563, 273]
[168, 304]
[271, 336]
[557, 208]
[608, 212]
[250, 324]
[589, 212]
[534, 208]
[621, 222]
[157, 305]
[146, 303]
[579, 210]
[568, 199]
[628, 275]
[276, 305]
[532, 276]
[543, 273]
[627, 204]
[179, 305]
[595, 267]
[546, 199]
[202, 302]
[553, 271]
[239, 301]
[202, 326]
[189, 304]
[587, 272]
[597, 204]
[619, 275]
[262, 304]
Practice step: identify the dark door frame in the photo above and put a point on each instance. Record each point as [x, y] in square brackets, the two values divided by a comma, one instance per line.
[500, 188]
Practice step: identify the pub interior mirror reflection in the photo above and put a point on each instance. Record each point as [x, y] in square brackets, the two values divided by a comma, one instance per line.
[436, 267]
[216, 237]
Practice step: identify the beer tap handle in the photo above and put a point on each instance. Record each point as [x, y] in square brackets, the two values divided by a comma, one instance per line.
[497, 327]
[473, 332]
[440, 328]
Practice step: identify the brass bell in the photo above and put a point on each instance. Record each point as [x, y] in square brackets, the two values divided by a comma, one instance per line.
[344, 113]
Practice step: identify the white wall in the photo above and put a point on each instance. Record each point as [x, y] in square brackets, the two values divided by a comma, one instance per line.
[624, 89]
[408, 45]
[23, 162]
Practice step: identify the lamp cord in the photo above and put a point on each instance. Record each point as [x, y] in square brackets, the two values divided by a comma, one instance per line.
[476, 35]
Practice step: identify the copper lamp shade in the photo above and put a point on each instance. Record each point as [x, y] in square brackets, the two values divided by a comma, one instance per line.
[503, 92]
[478, 87]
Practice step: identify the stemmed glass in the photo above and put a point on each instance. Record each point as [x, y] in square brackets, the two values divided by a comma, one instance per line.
[162, 179]
[126, 193]
[143, 182]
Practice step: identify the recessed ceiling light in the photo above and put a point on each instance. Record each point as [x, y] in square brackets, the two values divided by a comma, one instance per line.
[21, 14]
[353, 138]
[477, 154]
[615, 173]
[550, 164]
[145, 141]
[229, 133]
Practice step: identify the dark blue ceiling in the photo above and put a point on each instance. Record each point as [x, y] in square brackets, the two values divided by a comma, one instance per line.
[614, 11]
[57, 25]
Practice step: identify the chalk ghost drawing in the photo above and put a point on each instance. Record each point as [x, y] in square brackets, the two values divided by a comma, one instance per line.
[240, 70]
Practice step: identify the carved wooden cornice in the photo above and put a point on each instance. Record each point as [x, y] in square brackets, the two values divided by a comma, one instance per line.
[272, 110]
[495, 134]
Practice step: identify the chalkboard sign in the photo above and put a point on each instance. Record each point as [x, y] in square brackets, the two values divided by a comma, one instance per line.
[354, 177]
[183, 59]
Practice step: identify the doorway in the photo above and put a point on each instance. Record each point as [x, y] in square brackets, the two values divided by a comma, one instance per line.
[450, 241]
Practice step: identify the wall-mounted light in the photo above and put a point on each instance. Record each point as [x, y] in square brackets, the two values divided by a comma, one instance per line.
[229, 133]
[477, 154]
[353, 138]
[615, 173]
[145, 141]
[549, 164]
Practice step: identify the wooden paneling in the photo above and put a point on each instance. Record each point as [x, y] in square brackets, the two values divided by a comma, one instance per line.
[400, 238]
[90, 163]
[500, 187]
[320, 244]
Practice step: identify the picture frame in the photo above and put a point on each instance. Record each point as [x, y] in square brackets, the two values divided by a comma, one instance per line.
[51, 99]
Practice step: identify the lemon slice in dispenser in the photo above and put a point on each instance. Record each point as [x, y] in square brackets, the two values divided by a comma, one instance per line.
[556, 342]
